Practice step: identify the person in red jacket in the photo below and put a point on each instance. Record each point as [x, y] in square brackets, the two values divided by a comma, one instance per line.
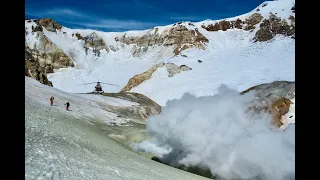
[51, 100]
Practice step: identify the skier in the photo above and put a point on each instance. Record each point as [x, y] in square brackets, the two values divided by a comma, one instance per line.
[51, 100]
[67, 106]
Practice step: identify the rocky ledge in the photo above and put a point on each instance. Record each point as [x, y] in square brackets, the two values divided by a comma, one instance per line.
[276, 98]
[140, 78]
[268, 27]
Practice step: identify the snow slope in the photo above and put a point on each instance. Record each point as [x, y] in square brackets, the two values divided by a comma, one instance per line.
[62, 144]
[230, 58]
[234, 61]
[80, 104]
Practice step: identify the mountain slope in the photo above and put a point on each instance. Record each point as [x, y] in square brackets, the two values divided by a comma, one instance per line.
[243, 51]
[62, 144]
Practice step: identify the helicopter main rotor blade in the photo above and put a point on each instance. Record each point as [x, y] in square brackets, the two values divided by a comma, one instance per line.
[110, 84]
[87, 83]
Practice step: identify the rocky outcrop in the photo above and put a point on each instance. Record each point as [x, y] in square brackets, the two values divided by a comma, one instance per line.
[268, 28]
[224, 25]
[185, 68]
[145, 109]
[49, 24]
[94, 41]
[174, 69]
[33, 68]
[178, 36]
[49, 55]
[37, 28]
[273, 26]
[44, 57]
[140, 78]
[293, 9]
[276, 98]
[78, 36]
[252, 21]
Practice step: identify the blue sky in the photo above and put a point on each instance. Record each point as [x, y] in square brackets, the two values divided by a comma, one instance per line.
[122, 15]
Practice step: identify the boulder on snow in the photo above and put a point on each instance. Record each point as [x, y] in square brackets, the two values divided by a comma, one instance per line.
[172, 69]
[185, 68]
[79, 36]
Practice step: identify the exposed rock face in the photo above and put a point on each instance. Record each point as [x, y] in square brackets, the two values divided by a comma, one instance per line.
[252, 21]
[145, 109]
[33, 68]
[49, 24]
[268, 27]
[37, 28]
[79, 36]
[248, 24]
[178, 36]
[174, 69]
[48, 54]
[44, 57]
[273, 26]
[224, 25]
[276, 98]
[138, 50]
[94, 41]
[140, 78]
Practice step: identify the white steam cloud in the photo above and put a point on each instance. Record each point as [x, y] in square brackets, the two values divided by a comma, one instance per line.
[215, 132]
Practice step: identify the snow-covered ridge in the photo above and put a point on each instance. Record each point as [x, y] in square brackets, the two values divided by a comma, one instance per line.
[282, 8]
[229, 57]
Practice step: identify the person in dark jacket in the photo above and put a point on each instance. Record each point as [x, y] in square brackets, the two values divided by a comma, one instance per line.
[67, 106]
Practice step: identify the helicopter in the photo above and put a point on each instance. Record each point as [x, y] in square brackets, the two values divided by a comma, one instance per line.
[98, 87]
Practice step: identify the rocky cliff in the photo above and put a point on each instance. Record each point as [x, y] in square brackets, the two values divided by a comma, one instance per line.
[266, 26]
[178, 36]
[33, 68]
[43, 50]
